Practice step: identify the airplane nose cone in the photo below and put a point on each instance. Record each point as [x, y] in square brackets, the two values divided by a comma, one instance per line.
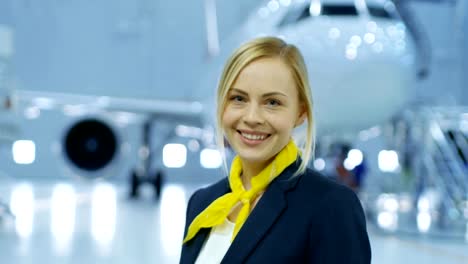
[90, 144]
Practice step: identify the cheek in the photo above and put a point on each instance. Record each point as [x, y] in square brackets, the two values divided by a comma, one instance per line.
[227, 118]
[284, 123]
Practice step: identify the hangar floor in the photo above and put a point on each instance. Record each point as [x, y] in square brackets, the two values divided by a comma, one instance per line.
[78, 222]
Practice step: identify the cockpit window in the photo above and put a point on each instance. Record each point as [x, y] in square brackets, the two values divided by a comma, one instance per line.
[296, 15]
[379, 12]
[339, 10]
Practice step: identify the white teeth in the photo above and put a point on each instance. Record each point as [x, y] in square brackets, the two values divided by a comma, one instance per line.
[253, 137]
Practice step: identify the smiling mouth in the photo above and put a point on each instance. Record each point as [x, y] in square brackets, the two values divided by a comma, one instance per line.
[255, 137]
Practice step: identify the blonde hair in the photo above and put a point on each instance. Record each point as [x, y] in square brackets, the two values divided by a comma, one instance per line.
[268, 47]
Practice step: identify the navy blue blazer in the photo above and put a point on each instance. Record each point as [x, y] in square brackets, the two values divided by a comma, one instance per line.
[304, 219]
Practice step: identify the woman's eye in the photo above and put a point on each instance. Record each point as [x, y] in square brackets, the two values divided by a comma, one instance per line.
[273, 102]
[237, 98]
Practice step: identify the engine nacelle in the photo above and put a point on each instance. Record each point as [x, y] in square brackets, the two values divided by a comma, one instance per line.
[91, 145]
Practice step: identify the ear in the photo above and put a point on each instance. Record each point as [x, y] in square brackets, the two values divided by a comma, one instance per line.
[302, 116]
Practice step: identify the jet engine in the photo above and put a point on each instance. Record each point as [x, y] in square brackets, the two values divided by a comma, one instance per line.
[91, 145]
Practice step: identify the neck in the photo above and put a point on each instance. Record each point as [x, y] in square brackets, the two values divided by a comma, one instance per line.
[250, 170]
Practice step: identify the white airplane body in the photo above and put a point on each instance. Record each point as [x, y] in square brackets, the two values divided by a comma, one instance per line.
[360, 68]
[360, 65]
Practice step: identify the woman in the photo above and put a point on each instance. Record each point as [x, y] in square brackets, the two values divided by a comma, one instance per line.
[271, 208]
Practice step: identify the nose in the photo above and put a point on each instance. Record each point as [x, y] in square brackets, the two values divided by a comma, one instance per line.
[253, 115]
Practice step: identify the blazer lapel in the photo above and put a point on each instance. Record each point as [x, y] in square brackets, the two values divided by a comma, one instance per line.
[191, 250]
[264, 215]
[193, 247]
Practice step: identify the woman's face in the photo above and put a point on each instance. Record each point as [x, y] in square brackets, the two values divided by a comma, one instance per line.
[262, 109]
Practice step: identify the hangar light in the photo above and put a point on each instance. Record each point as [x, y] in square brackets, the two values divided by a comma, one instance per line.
[210, 158]
[426, 203]
[388, 161]
[319, 164]
[24, 151]
[174, 155]
[387, 220]
[387, 206]
[354, 158]
[423, 221]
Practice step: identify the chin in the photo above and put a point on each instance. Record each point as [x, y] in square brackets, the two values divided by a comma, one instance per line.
[254, 157]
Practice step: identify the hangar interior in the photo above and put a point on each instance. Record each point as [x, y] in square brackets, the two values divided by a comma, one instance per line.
[107, 109]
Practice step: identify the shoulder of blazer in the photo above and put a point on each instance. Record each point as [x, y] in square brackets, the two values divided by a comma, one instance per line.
[320, 184]
[318, 189]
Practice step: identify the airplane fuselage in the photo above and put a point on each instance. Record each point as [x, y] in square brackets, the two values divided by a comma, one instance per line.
[359, 57]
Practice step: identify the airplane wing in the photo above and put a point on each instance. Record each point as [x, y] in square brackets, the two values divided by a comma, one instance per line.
[187, 112]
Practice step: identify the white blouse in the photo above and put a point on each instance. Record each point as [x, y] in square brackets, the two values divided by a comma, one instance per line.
[217, 244]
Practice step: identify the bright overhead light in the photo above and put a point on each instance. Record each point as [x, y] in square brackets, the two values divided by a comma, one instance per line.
[388, 161]
[174, 155]
[211, 158]
[24, 151]
[387, 220]
[354, 158]
[319, 164]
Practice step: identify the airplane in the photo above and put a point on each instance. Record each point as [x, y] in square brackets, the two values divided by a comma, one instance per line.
[361, 64]
[360, 56]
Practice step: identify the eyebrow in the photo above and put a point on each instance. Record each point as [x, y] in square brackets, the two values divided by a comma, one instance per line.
[264, 95]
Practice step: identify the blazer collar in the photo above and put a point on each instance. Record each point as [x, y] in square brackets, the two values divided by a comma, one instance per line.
[264, 215]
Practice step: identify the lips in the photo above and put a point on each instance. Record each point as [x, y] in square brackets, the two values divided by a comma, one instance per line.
[253, 136]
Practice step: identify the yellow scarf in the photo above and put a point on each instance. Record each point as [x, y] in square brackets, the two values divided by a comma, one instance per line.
[220, 208]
